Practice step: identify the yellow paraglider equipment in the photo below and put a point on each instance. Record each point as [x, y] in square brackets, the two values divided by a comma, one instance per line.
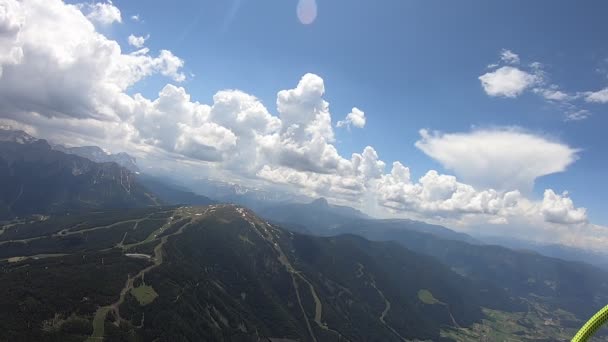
[592, 325]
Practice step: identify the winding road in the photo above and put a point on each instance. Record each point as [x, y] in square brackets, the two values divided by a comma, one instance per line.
[102, 312]
[387, 303]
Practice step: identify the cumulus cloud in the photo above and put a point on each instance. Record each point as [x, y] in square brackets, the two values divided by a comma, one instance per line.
[61, 79]
[507, 81]
[137, 41]
[440, 195]
[510, 82]
[509, 56]
[355, 118]
[313, 184]
[498, 158]
[600, 96]
[305, 139]
[69, 69]
[104, 13]
[350, 182]
[367, 164]
[560, 209]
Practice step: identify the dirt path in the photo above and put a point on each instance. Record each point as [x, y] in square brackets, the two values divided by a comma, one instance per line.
[265, 231]
[16, 222]
[10, 206]
[102, 312]
[387, 303]
[37, 256]
[452, 317]
[66, 232]
[296, 288]
[122, 242]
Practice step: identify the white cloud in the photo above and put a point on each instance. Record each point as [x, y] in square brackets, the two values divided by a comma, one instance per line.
[314, 184]
[553, 94]
[350, 182]
[355, 118]
[306, 135]
[104, 13]
[135, 17]
[564, 102]
[560, 209]
[63, 80]
[536, 65]
[368, 164]
[600, 96]
[509, 56]
[578, 115]
[498, 158]
[137, 41]
[70, 69]
[507, 81]
[11, 21]
[441, 195]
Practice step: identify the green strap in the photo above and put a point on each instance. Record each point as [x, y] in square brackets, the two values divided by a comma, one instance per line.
[592, 326]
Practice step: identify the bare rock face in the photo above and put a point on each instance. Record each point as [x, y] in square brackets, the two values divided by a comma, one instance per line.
[35, 179]
[98, 155]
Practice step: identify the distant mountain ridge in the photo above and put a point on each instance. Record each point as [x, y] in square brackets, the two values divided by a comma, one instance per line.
[67, 192]
[98, 155]
[551, 250]
[249, 196]
[576, 287]
[389, 226]
[35, 179]
[321, 218]
[93, 153]
[16, 136]
[171, 193]
[318, 214]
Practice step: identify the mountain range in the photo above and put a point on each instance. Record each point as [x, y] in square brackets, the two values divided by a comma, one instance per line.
[96, 154]
[93, 153]
[570, 285]
[94, 251]
[35, 179]
[220, 273]
[40, 178]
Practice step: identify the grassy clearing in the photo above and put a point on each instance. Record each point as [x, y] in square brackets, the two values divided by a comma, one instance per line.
[98, 324]
[427, 297]
[144, 294]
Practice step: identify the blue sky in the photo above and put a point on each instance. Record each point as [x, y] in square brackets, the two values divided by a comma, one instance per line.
[407, 64]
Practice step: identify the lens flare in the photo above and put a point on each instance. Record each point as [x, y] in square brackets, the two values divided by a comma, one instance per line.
[307, 11]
